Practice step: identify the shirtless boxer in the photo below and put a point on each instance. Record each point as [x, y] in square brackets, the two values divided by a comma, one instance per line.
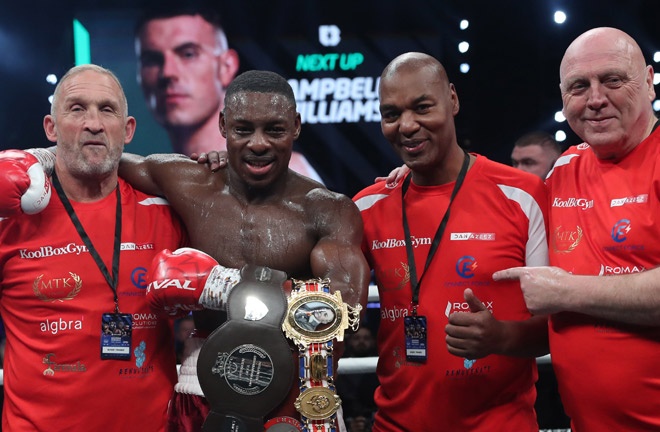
[256, 211]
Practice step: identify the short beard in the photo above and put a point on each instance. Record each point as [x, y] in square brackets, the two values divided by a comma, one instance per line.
[82, 168]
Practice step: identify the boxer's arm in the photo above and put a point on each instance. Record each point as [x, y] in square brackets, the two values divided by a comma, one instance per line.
[338, 255]
[149, 174]
[162, 174]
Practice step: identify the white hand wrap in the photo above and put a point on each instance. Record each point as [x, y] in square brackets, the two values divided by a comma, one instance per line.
[45, 157]
[219, 284]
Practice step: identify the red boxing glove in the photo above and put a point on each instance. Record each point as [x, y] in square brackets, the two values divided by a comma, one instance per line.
[188, 280]
[23, 184]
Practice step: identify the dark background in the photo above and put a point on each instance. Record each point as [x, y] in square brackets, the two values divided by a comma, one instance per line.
[512, 87]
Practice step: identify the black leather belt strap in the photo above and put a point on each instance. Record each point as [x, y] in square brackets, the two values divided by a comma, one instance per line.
[245, 367]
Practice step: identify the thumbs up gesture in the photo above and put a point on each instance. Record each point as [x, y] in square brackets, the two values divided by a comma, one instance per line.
[474, 334]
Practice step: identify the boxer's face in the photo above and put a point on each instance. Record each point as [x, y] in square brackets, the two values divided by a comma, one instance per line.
[260, 129]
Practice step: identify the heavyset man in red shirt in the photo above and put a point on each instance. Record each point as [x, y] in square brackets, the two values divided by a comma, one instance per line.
[604, 202]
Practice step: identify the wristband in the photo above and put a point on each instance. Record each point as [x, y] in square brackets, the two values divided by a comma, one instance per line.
[218, 285]
[45, 157]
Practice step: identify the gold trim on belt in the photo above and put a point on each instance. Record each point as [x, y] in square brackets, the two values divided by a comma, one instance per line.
[314, 319]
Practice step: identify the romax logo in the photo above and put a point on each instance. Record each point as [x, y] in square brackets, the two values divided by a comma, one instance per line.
[453, 307]
[606, 270]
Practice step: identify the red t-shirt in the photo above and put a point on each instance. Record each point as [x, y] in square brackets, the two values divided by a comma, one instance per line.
[604, 221]
[52, 298]
[497, 221]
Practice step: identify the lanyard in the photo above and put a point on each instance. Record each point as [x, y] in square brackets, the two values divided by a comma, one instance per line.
[112, 281]
[414, 283]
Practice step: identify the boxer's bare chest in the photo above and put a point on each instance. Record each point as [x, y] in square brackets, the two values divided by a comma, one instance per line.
[278, 234]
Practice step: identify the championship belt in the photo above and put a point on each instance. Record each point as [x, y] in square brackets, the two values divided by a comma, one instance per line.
[245, 367]
[314, 319]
